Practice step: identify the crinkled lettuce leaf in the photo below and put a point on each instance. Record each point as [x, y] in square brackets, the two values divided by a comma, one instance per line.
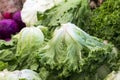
[30, 40]
[76, 11]
[73, 50]
[7, 54]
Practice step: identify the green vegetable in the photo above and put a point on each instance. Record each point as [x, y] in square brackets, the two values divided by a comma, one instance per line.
[105, 22]
[31, 7]
[76, 11]
[3, 65]
[30, 40]
[7, 54]
[71, 50]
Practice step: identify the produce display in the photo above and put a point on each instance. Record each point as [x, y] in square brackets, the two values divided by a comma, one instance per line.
[59, 40]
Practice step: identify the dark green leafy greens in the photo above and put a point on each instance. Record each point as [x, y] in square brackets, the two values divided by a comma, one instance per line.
[105, 22]
[7, 54]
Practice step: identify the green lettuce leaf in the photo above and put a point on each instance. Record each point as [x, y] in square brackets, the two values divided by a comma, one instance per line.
[30, 40]
[76, 11]
[7, 54]
[71, 50]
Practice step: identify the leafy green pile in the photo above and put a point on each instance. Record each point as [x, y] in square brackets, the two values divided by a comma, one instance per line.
[68, 52]
[72, 51]
[105, 22]
[76, 11]
[71, 54]
[21, 50]
[7, 54]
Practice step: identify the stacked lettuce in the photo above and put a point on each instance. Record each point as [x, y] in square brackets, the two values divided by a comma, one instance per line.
[61, 50]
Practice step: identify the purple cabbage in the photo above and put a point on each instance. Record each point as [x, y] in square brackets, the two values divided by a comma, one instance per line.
[17, 18]
[8, 27]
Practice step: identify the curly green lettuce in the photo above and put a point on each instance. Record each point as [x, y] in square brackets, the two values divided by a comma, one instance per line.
[71, 50]
[76, 11]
